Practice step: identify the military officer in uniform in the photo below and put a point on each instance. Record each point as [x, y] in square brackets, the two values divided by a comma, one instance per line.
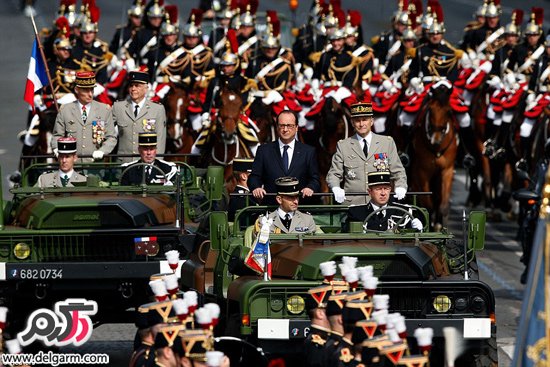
[62, 68]
[90, 52]
[138, 114]
[360, 154]
[287, 218]
[313, 351]
[337, 66]
[124, 35]
[66, 175]
[379, 192]
[241, 170]
[89, 121]
[147, 36]
[162, 172]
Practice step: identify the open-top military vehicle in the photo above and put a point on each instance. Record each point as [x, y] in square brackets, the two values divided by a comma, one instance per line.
[100, 240]
[423, 273]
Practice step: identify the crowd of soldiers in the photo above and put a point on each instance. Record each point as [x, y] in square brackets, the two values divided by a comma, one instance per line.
[327, 59]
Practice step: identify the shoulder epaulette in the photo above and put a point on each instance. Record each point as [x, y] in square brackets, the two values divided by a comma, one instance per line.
[411, 52]
[374, 40]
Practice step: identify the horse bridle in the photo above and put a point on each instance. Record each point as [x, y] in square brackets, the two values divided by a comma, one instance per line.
[429, 136]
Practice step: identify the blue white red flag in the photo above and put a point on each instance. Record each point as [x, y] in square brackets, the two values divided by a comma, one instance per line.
[259, 257]
[37, 76]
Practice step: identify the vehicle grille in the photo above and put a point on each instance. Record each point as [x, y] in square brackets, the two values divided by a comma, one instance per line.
[84, 248]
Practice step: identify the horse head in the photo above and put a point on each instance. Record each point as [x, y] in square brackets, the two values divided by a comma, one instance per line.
[229, 113]
[438, 118]
[263, 116]
[176, 104]
[331, 124]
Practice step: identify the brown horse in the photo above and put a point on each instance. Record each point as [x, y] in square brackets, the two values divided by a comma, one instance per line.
[331, 125]
[179, 135]
[435, 146]
[264, 117]
[226, 141]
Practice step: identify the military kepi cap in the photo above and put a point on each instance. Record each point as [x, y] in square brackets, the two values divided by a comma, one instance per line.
[287, 186]
[379, 178]
[242, 164]
[147, 139]
[66, 145]
[138, 77]
[85, 79]
[361, 109]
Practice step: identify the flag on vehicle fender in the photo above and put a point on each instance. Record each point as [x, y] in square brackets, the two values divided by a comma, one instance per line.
[259, 253]
[532, 344]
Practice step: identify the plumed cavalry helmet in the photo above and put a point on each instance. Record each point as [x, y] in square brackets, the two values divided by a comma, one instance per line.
[230, 56]
[330, 20]
[535, 25]
[493, 9]
[514, 27]
[248, 16]
[170, 25]
[90, 22]
[353, 22]
[437, 26]
[156, 10]
[193, 26]
[67, 9]
[401, 15]
[337, 34]
[480, 11]
[136, 10]
[427, 19]
[272, 37]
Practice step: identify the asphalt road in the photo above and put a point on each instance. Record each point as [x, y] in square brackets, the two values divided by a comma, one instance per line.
[499, 263]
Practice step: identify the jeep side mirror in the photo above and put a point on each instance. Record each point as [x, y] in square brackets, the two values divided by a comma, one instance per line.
[476, 230]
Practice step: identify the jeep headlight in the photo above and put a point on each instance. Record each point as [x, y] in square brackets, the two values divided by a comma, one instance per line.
[442, 303]
[295, 304]
[22, 251]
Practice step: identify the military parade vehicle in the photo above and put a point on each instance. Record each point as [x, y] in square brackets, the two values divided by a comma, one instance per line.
[431, 277]
[99, 240]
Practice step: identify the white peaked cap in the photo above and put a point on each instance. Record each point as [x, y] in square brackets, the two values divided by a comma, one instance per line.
[214, 310]
[349, 261]
[328, 268]
[191, 298]
[158, 287]
[180, 306]
[380, 316]
[424, 336]
[393, 335]
[13, 346]
[352, 275]
[173, 256]
[3, 313]
[214, 358]
[391, 319]
[365, 271]
[370, 282]
[381, 301]
[171, 281]
[343, 269]
[399, 324]
[203, 317]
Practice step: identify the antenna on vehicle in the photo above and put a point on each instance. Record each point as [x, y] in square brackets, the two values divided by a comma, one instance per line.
[465, 240]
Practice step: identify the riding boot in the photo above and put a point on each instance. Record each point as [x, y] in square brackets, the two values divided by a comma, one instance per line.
[524, 149]
[406, 136]
[501, 141]
[467, 138]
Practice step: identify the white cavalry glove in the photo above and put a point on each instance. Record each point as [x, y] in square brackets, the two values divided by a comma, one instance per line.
[97, 154]
[417, 224]
[56, 153]
[205, 118]
[339, 194]
[308, 73]
[400, 193]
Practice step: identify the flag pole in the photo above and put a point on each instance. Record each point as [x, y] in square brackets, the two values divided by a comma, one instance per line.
[44, 61]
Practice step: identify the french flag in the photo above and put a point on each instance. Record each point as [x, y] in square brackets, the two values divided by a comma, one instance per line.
[37, 76]
[256, 258]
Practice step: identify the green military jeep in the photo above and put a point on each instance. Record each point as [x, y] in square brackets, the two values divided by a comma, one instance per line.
[99, 240]
[423, 273]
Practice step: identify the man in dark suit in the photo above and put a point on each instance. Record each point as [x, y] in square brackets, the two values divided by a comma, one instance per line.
[157, 171]
[284, 157]
[379, 192]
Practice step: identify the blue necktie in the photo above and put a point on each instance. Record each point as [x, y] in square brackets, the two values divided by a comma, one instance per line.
[285, 159]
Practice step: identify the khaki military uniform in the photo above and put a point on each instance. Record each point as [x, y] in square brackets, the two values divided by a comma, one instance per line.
[300, 223]
[53, 179]
[98, 133]
[349, 165]
[151, 118]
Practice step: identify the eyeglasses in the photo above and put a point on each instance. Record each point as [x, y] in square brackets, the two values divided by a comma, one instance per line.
[290, 127]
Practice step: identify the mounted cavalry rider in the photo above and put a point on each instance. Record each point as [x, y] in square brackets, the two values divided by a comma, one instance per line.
[311, 38]
[217, 37]
[147, 37]
[247, 38]
[436, 63]
[124, 35]
[89, 52]
[386, 42]
[363, 54]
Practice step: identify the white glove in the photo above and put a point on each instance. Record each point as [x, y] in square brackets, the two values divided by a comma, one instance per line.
[308, 73]
[400, 193]
[417, 224]
[339, 194]
[205, 118]
[97, 154]
[56, 153]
